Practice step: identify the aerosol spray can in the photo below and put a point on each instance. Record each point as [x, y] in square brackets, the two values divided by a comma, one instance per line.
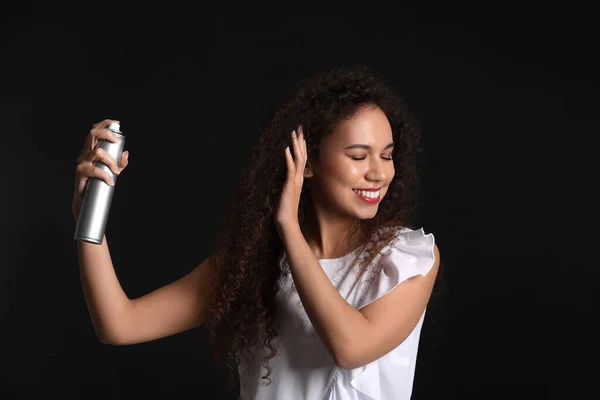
[98, 194]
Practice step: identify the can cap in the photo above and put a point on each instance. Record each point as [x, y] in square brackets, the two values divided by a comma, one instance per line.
[114, 126]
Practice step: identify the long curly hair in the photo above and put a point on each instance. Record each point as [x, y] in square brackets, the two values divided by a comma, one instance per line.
[245, 261]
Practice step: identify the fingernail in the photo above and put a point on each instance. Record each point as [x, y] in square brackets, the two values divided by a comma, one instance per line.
[111, 182]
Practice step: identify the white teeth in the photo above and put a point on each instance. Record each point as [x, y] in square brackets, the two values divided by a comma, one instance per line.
[366, 193]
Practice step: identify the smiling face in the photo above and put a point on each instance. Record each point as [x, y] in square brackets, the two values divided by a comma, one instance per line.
[354, 159]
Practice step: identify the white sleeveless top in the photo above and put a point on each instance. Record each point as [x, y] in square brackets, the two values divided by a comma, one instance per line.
[303, 368]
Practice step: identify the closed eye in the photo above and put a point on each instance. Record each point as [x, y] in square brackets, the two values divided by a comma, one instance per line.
[362, 158]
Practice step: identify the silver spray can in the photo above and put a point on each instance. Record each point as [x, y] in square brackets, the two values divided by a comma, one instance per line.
[98, 194]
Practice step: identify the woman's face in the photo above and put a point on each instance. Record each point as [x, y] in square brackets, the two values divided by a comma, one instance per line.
[355, 166]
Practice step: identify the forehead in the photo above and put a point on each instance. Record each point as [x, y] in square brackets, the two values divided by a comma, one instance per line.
[368, 126]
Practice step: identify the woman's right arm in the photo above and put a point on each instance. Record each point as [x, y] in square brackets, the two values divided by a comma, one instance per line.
[173, 308]
[170, 309]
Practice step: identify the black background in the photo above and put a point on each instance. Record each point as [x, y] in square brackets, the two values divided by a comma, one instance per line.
[508, 103]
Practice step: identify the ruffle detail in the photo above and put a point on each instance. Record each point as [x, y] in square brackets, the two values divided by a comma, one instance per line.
[411, 253]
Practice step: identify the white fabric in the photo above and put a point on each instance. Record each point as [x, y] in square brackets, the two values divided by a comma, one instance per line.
[303, 368]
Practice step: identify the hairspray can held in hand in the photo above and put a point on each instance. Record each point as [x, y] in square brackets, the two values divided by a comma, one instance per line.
[98, 194]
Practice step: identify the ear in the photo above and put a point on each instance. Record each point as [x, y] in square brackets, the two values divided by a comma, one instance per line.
[308, 173]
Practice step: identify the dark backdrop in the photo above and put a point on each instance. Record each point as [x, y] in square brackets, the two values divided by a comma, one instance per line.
[507, 99]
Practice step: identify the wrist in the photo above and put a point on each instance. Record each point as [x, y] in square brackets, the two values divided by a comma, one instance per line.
[288, 226]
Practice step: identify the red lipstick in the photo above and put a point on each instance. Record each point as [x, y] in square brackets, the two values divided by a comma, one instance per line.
[370, 200]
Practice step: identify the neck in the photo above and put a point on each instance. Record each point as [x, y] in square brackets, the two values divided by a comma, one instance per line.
[330, 236]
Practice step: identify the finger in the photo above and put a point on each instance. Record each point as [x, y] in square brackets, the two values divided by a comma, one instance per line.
[90, 143]
[104, 134]
[300, 158]
[97, 134]
[86, 171]
[291, 168]
[296, 145]
[124, 159]
[303, 142]
[101, 155]
[80, 186]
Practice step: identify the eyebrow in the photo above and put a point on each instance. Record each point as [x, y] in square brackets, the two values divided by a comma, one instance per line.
[366, 146]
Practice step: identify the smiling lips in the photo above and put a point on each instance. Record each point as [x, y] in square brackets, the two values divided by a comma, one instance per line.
[371, 196]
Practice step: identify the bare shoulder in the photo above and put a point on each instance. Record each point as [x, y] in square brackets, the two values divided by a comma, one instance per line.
[432, 274]
[436, 253]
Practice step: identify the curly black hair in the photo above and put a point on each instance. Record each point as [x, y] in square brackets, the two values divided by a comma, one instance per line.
[246, 269]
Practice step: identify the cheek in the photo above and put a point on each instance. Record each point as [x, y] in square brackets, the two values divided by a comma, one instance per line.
[353, 171]
[350, 175]
[341, 171]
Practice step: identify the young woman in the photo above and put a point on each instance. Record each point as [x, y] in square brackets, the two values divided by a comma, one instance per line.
[318, 283]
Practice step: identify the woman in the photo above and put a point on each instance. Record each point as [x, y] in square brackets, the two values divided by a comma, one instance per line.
[317, 286]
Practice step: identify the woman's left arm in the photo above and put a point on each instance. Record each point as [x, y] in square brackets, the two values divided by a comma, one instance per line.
[355, 337]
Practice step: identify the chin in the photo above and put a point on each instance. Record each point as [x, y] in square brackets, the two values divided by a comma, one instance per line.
[370, 216]
[364, 214]
[363, 211]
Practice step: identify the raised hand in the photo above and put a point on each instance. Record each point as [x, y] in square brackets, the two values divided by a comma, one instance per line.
[287, 211]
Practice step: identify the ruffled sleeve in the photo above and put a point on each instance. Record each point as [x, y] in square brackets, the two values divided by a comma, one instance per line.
[409, 254]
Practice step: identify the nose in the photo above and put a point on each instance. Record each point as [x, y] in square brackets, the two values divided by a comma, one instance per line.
[379, 170]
